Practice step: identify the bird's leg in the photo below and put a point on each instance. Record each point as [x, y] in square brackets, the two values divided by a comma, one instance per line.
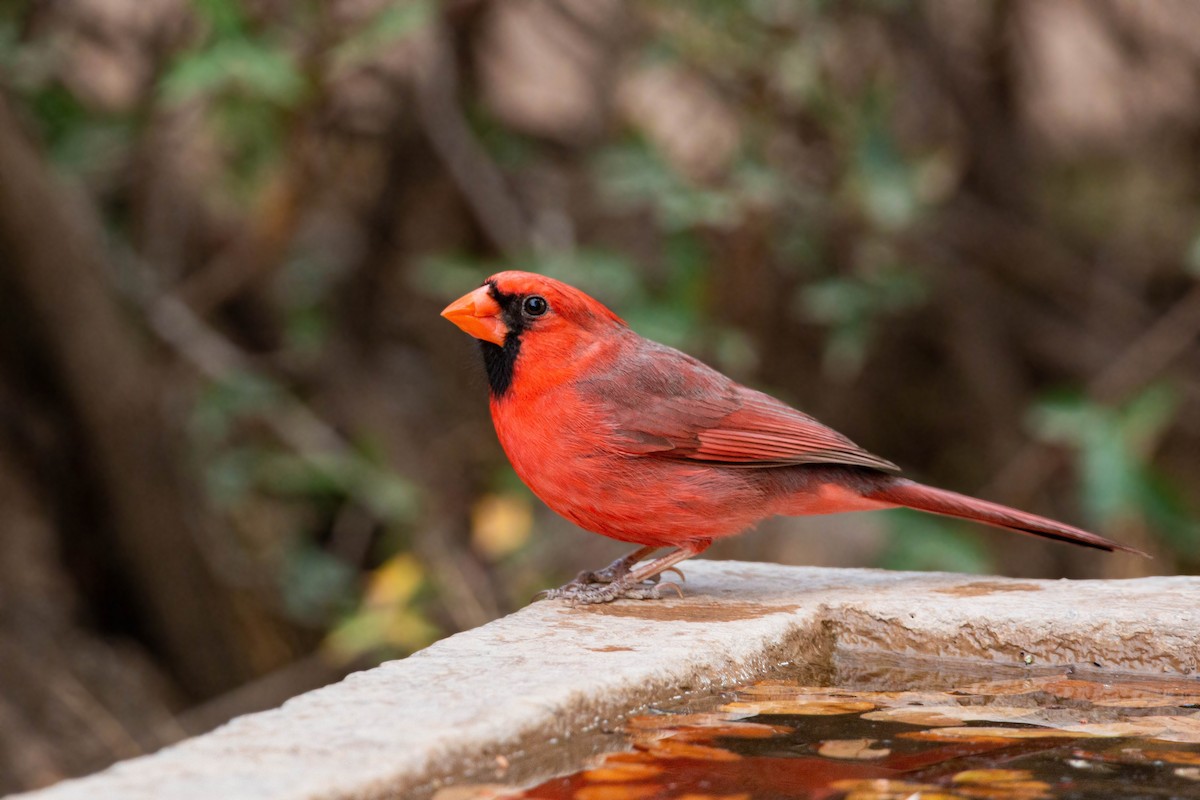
[614, 571]
[641, 583]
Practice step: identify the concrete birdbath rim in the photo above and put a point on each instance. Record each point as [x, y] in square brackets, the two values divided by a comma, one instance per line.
[550, 672]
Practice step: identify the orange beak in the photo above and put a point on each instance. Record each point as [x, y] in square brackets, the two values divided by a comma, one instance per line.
[479, 315]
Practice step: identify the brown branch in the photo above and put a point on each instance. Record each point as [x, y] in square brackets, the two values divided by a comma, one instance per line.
[54, 263]
[315, 441]
[1142, 361]
[214, 357]
[479, 180]
[260, 248]
[1149, 355]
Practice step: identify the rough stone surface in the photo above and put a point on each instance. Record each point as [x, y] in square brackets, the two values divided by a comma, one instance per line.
[550, 671]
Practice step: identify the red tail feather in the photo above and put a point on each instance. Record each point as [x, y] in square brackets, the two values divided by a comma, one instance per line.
[951, 504]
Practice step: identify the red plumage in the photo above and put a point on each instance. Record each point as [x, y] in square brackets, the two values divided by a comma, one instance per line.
[643, 443]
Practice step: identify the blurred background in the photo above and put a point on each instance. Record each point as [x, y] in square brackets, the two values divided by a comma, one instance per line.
[241, 455]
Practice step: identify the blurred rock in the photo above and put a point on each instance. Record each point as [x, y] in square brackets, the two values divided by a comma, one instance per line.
[544, 67]
[110, 48]
[1108, 76]
[683, 116]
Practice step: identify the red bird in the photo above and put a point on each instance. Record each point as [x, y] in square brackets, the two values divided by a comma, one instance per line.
[643, 443]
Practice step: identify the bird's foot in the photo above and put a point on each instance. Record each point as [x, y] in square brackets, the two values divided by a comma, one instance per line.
[613, 573]
[577, 593]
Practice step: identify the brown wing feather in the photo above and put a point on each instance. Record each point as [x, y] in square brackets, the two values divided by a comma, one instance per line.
[764, 431]
[666, 404]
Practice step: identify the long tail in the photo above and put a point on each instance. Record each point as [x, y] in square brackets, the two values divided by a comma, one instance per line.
[951, 504]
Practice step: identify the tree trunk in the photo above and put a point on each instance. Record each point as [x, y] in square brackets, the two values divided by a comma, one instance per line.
[53, 267]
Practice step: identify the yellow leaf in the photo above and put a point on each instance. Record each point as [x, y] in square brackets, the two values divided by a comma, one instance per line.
[394, 582]
[386, 616]
[954, 715]
[852, 748]
[621, 773]
[732, 730]
[798, 707]
[707, 725]
[992, 776]
[993, 734]
[501, 524]
[409, 630]
[660, 722]
[884, 788]
[617, 791]
[673, 748]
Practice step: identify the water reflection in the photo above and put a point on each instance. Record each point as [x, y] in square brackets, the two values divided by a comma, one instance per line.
[903, 730]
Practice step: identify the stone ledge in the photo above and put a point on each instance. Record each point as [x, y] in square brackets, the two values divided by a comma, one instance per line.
[549, 671]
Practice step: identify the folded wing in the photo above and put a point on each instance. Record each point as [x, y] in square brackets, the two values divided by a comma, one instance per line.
[667, 404]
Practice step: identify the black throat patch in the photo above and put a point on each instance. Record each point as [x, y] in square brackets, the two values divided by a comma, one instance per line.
[501, 361]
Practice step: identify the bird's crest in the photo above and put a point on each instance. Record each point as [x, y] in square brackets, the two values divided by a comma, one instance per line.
[566, 300]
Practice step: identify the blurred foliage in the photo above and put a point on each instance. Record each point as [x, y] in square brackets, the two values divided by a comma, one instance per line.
[799, 193]
[1118, 481]
[920, 543]
[852, 308]
[250, 82]
[386, 621]
[634, 177]
[317, 587]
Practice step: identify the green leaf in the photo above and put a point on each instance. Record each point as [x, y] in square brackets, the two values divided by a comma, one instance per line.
[307, 330]
[1191, 260]
[632, 177]
[255, 69]
[610, 277]
[222, 403]
[230, 475]
[1110, 474]
[395, 23]
[1147, 415]
[885, 179]
[389, 496]
[316, 585]
[388, 618]
[386, 494]
[1113, 448]
[1169, 517]
[925, 543]
[852, 307]
[452, 274]
[224, 17]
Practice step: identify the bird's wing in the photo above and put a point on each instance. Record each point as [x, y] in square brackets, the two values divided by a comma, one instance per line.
[666, 404]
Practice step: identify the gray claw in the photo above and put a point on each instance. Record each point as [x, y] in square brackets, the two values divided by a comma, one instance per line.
[660, 587]
[678, 572]
[576, 594]
[586, 577]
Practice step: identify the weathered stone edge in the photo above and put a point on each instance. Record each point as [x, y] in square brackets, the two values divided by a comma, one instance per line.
[550, 671]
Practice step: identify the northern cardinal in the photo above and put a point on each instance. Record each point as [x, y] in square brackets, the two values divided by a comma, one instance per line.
[643, 443]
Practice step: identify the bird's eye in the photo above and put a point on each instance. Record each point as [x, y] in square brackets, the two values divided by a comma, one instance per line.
[535, 305]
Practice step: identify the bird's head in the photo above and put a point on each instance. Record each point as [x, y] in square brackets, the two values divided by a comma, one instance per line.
[515, 313]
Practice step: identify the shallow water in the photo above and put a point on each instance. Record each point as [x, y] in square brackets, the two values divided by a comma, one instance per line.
[872, 731]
